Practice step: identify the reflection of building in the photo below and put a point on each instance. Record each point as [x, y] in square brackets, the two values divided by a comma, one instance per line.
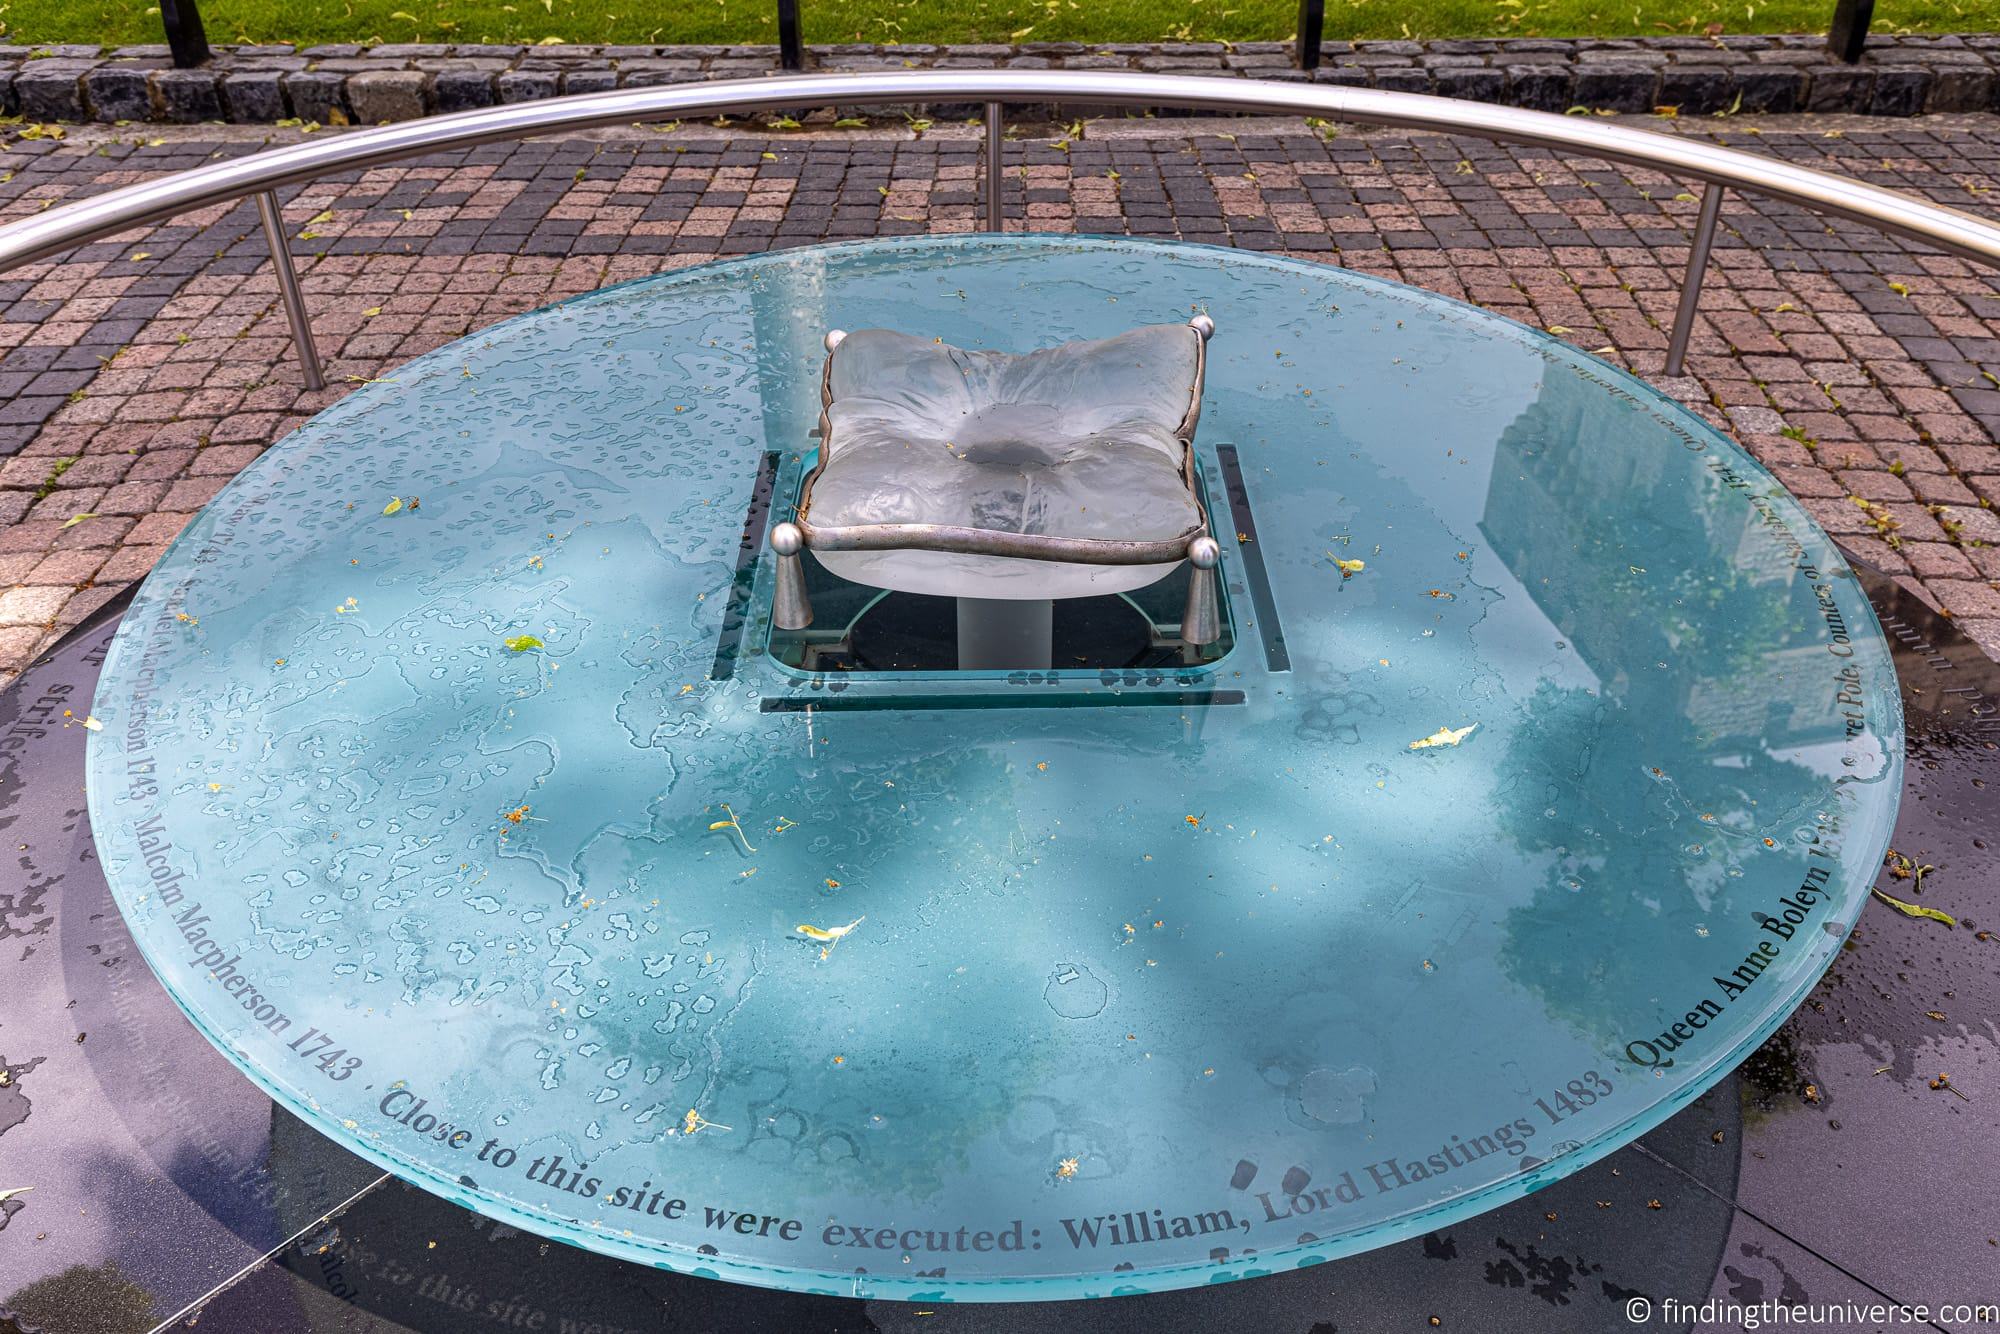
[1603, 516]
[1649, 795]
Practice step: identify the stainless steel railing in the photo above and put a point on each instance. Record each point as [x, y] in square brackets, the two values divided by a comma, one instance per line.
[1719, 168]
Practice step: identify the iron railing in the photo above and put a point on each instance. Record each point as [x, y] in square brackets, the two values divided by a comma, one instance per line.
[1718, 168]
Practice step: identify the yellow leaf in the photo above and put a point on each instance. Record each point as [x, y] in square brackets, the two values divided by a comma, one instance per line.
[395, 503]
[92, 725]
[1350, 568]
[1444, 736]
[138, 255]
[1899, 289]
[76, 519]
[733, 823]
[1917, 910]
[827, 933]
[407, 18]
[371, 312]
[550, 41]
[318, 218]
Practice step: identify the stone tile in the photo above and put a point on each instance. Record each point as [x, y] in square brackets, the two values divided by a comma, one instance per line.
[1830, 377]
[32, 604]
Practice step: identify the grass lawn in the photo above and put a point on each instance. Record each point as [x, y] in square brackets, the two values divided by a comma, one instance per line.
[669, 21]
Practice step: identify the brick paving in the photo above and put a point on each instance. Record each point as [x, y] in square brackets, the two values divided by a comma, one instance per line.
[137, 376]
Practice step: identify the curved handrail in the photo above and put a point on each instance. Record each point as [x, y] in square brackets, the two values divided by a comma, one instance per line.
[118, 210]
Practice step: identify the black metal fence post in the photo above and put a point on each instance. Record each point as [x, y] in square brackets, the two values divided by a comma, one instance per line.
[791, 50]
[185, 36]
[1312, 25]
[1850, 28]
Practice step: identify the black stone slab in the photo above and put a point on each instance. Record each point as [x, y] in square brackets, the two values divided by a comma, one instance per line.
[161, 1177]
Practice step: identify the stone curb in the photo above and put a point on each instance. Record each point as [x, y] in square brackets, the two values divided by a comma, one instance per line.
[1898, 76]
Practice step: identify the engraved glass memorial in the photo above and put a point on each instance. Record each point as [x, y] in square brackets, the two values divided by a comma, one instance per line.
[456, 780]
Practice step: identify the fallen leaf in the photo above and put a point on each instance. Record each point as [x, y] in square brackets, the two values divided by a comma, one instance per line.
[1917, 909]
[522, 643]
[395, 503]
[92, 725]
[694, 1121]
[731, 823]
[1444, 736]
[75, 519]
[1350, 568]
[10, 1194]
[827, 934]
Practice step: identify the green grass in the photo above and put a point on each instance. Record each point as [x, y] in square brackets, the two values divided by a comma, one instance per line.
[668, 21]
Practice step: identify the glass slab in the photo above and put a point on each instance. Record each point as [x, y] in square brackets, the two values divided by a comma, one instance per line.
[1474, 858]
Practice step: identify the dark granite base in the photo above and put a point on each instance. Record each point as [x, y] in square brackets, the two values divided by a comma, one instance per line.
[1826, 1170]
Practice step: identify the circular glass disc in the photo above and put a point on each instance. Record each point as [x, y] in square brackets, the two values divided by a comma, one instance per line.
[455, 782]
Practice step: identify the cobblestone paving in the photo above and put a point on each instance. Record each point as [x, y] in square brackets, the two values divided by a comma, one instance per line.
[1897, 75]
[137, 377]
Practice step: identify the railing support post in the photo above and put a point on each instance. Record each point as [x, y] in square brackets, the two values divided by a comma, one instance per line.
[288, 288]
[996, 221]
[1698, 248]
[1312, 27]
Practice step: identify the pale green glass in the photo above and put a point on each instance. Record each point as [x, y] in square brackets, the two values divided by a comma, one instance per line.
[1215, 954]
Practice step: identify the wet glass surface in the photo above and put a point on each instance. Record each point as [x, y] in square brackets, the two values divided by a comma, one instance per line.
[1213, 972]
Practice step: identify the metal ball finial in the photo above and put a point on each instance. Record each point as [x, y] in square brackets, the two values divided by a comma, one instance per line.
[787, 540]
[1204, 326]
[834, 337]
[1205, 553]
